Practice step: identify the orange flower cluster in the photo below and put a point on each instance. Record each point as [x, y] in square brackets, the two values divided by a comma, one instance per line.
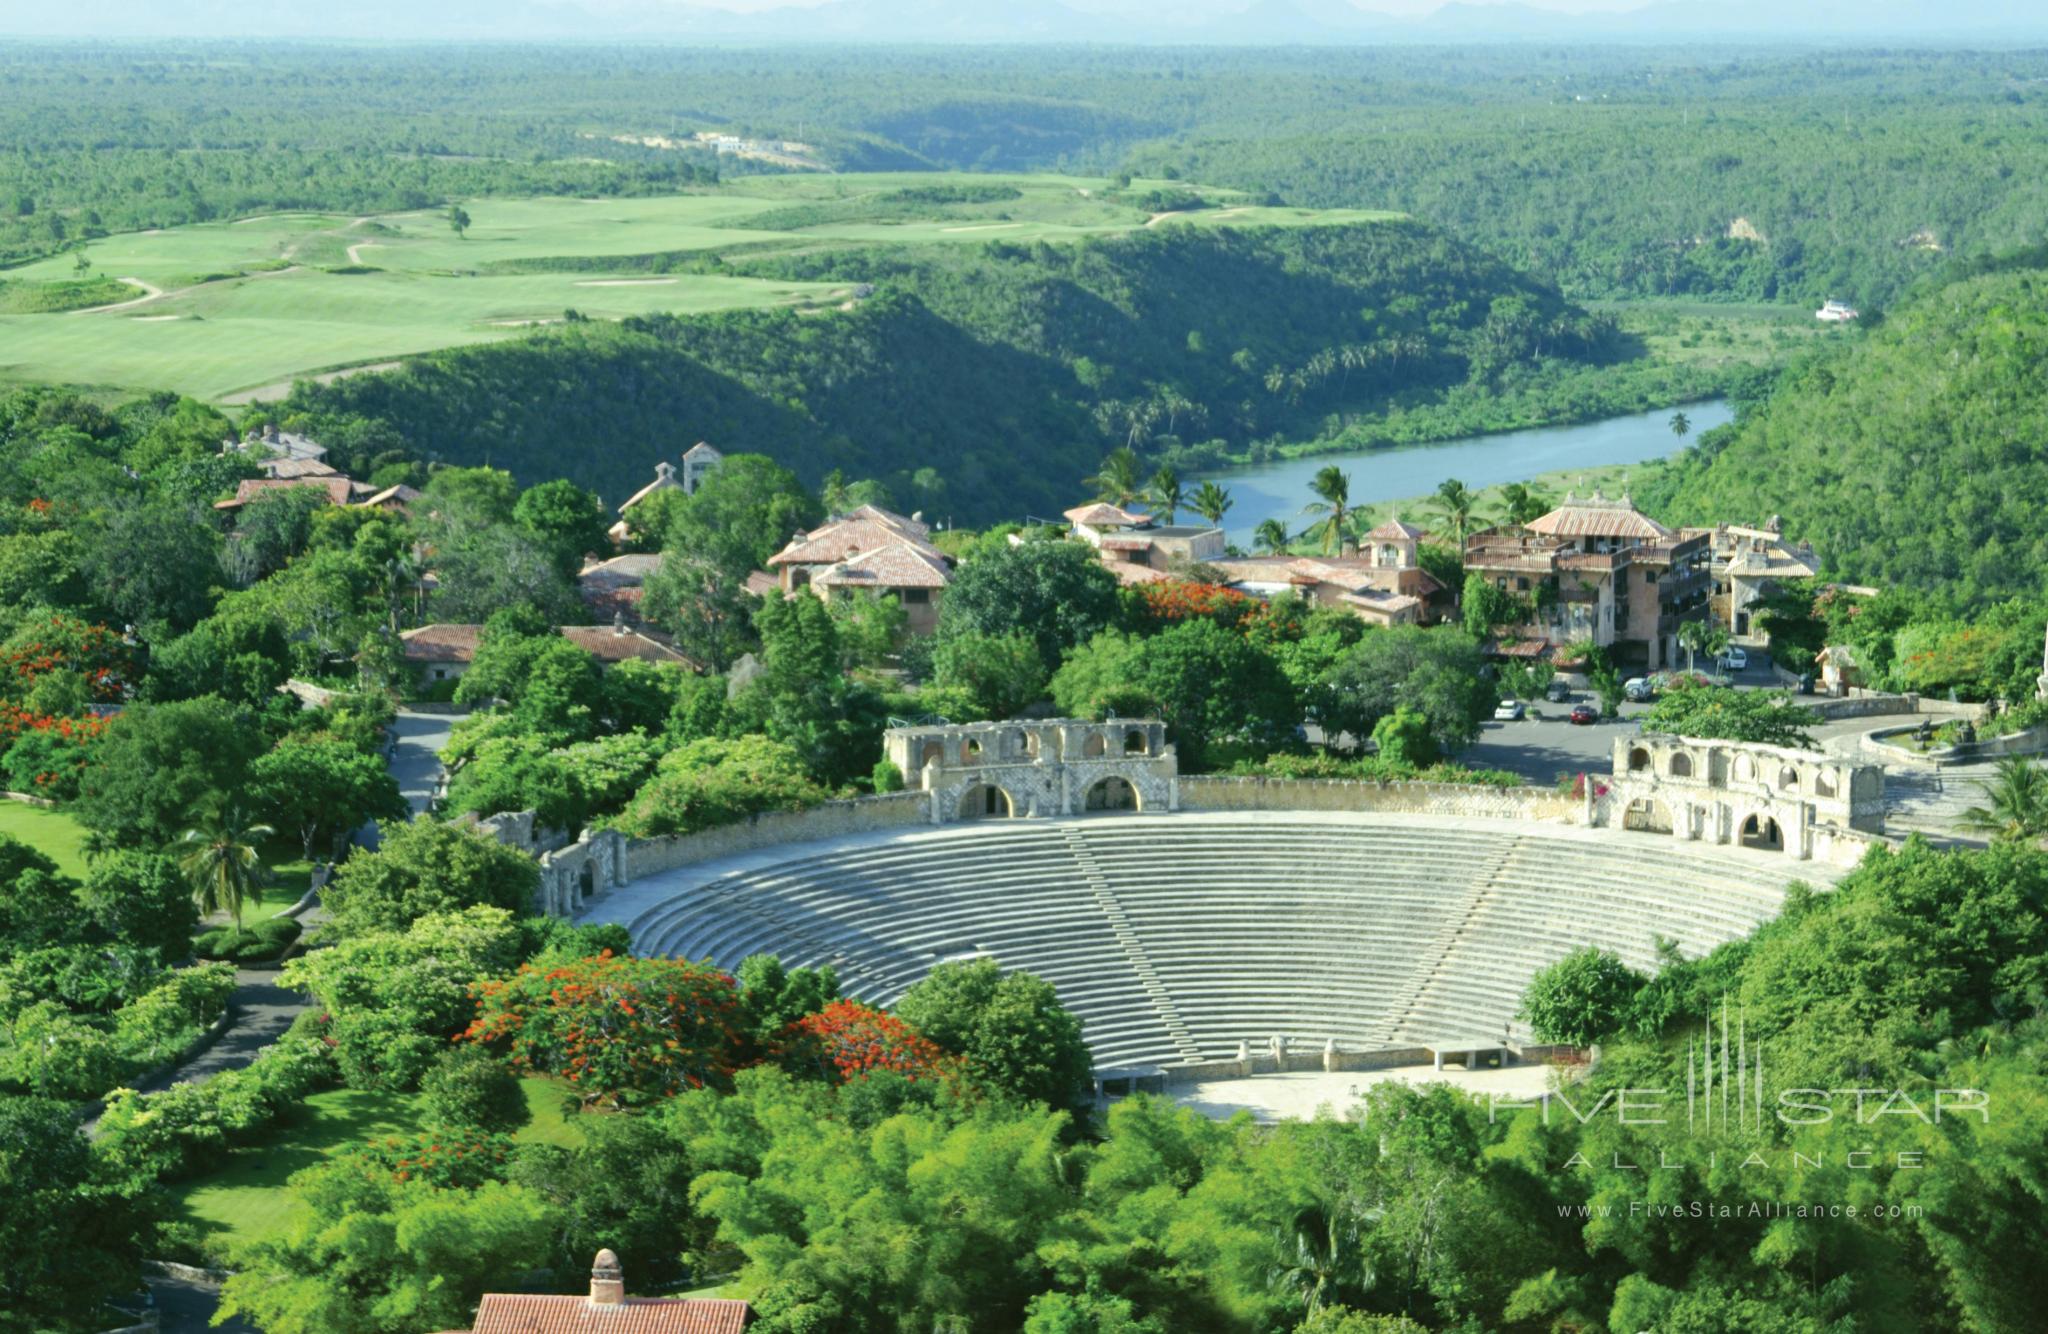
[621, 1029]
[1167, 604]
[447, 1158]
[68, 644]
[853, 1041]
[15, 720]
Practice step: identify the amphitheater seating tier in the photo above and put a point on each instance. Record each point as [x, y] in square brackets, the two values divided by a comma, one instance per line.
[1177, 937]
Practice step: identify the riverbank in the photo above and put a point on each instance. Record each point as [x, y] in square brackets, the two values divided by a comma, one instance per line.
[1612, 454]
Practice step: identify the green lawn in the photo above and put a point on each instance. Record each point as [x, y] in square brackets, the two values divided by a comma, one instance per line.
[53, 833]
[245, 306]
[247, 1198]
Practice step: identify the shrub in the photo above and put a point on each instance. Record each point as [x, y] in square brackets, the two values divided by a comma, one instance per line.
[1580, 997]
[266, 939]
[470, 1087]
[887, 777]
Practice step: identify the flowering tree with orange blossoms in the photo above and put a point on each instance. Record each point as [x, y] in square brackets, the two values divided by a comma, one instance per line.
[450, 1157]
[623, 1030]
[61, 643]
[850, 1041]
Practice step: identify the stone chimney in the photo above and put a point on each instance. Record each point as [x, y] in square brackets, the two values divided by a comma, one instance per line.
[619, 623]
[607, 1281]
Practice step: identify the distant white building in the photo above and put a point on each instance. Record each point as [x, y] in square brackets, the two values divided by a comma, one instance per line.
[699, 462]
[1835, 312]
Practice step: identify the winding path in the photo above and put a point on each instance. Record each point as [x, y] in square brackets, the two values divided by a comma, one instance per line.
[150, 292]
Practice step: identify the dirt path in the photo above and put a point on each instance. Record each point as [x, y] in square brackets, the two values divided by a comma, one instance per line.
[150, 292]
[355, 252]
[265, 393]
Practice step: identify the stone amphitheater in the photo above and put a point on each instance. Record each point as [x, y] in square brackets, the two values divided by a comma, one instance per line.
[1210, 929]
[1183, 939]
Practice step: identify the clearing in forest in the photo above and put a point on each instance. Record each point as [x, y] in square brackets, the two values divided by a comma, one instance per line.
[234, 311]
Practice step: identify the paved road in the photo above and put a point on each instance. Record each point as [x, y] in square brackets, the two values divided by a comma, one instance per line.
[185, 1307]
[416, 760]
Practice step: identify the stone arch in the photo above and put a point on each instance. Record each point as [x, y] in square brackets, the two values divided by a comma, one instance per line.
[970, 751]
[1112, 794]
[1095, 747]
[986, 801]
[1681, 765]
[1012, 744]
[933, 753]
[586, 881]
[1638, 760]
[1647, 815]
[1745, 769]
[1761, 831]
[1823, 784]
[1136, 742]
[1788, 779]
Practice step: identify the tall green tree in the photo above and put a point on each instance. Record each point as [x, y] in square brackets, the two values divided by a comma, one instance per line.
[1056, 592]
[224, 864]
[2015, 802]
[1332, 486]
[1120, 479]
[1165, 494]
[1458, 506]
[1271, 537]
[1212, 502]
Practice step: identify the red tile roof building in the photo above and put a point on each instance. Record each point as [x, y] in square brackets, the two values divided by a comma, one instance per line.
[607, 1310]
[869, 549]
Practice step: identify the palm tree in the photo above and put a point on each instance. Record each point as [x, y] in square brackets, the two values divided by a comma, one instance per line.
[1333, 485]
[2017, 803]
[1319, 1259]
[1681, 425]
[1701, 637]
[1212, 502]
[1522, 503]
[1270, 537]
[1459, 507]
[1118, 481]
[1165, 495]
[223, 865]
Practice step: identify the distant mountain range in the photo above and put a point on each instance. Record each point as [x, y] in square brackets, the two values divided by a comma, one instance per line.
[1314, 22]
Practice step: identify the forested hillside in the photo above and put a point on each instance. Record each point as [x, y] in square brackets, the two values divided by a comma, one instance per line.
[1915, 456]
[979, 382]
[1620, 172]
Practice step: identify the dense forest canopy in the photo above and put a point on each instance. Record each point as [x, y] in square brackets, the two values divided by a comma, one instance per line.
[1743, 174]
[983, 382]
[1914, 457]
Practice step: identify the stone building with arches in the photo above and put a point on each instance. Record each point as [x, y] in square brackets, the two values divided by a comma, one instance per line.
[1015, 769]
[1773, 798]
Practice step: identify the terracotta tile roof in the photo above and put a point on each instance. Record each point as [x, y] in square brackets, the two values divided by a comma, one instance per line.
[1394, 530]
[458, 643]
[397, 496]
[664, 479]
[1521, 648]
[1126, 544]
[516, 1313]
[606, 643]
[1600, 517]
[897, 565]
[1128, 573]
[1102, 513]
[700, 450]
[441, 643]
[290, 469]
[632, 568]
[1379, 600]
[339, 489]
[761, 583]
[848, 535]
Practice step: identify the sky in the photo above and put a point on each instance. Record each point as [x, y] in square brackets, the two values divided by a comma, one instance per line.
[1354, 21]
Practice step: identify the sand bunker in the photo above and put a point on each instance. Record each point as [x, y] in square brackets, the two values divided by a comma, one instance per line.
[626, 282]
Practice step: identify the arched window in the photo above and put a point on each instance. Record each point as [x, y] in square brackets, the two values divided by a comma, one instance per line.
[1094, 748]
[1681, 765]
[933, 753]
[1788, 779]
[1638, 760]
[1823, 784]
[1134, 742]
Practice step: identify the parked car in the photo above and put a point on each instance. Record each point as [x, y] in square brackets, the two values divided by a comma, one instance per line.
[1557, 692]
[1733, 660]
[1508, 711]
[1640, 689]
[1583, 714]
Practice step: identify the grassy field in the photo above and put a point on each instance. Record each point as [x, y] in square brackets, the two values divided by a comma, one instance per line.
[233, 311]
[1716, 336]
[247, 1198]
[52, 833]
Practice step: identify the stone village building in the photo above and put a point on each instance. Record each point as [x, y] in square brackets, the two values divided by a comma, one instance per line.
[1016, 769]
[1599, 570]
[869, 551]
[699, 462]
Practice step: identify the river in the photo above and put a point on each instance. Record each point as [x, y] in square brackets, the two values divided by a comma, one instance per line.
[1279, 490]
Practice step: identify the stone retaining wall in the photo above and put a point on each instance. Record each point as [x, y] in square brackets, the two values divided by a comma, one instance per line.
[1474, 800]
[831, 819]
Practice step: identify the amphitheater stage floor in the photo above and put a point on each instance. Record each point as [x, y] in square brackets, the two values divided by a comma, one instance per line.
[1301, 1094]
